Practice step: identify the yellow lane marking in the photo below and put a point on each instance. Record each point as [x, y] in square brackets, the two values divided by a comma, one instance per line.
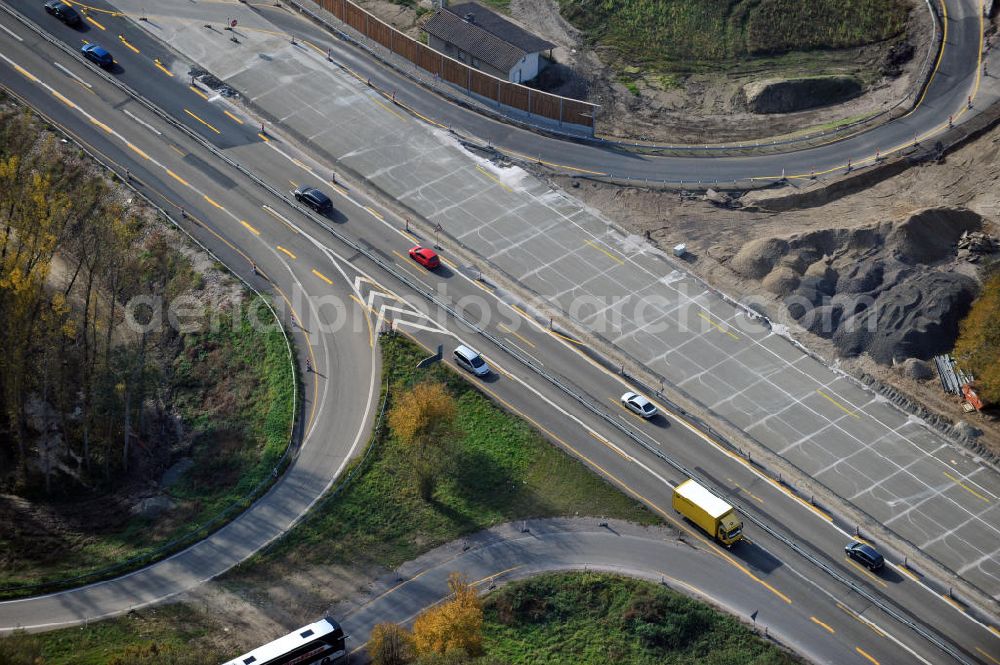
[937, 65]
[101, 125]
[854, 615]
[568, 339]
[177, 178]
[493, 178]
[609, 445]
[865, 571]
[837, 404]
[813, 508]
[992, 659]
[122, 39]
[604, 251]
[366, 310]
[820, 623]
[137, 151]
[28, 75]
[282, 249]
[907, 572]
[322, 276]
[718, 327]
[198, 92]
[293, 183]
[342, 192]
[163, 69]
[94, 21]
[517, 335]
[558, 166]
[866, 655]
[744, 490]
[375, 213]
[207, 198]
[266, 140]
[202, 121]
[304, 167]
[995, 631]
[93, 9]
[951, 601]
[233, 117]
[281, 219]
[965, 487]
[712, 548]
[314, 47]
[387, 108]
[63, 99]
[252, 229]
[177, 150]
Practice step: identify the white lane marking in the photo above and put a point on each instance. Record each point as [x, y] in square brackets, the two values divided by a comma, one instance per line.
[142, 122]
[15, 36]
[69, 73]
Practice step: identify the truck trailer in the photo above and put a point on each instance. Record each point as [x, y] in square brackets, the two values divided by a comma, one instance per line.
[709, 512]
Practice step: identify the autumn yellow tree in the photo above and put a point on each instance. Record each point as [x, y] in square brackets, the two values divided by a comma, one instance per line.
[390, 644]
[453, 625]
[423, 418]
[978, 347]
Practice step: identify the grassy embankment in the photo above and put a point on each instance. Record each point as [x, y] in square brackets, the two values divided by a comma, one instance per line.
[233, 388]
[595, 618]
[698, 35]
[500, 469]
[107, 409]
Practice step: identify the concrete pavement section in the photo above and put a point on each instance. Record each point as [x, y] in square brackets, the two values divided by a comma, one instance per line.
[885, 462]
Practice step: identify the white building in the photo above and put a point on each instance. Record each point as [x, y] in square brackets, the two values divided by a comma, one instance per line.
[485, 40]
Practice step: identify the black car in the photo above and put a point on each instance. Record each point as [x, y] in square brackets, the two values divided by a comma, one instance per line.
[865, 554]
[63, 12]
[314, 198]
[98, 54]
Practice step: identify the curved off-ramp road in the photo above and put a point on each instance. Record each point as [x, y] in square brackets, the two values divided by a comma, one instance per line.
[524, 549]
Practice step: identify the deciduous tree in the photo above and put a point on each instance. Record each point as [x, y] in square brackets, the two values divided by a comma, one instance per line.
[390, 644]
[424, 419]
[453, 625]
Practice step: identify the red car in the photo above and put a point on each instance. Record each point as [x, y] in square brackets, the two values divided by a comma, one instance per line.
[425, 256]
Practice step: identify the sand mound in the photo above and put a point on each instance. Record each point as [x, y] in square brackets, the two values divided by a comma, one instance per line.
[758, 257]
[885, 289]
[782, 280]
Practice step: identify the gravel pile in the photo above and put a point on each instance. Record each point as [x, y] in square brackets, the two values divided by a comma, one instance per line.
[888, 290]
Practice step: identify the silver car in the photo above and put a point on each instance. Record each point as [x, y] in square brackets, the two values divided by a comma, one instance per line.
[470, 360]
[638, 405]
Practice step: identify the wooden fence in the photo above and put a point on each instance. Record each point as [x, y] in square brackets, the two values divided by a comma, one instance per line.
[516, 96]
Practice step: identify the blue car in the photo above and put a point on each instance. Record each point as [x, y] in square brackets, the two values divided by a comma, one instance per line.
[98, 54]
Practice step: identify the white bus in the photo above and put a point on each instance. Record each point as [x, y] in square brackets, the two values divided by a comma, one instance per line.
[320, 643]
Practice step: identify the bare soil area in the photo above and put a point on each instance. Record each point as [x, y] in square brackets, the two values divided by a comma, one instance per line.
[893, 244]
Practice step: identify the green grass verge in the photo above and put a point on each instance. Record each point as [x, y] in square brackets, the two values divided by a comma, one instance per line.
[233, 387]
[670, 35]
[501, 470]
[168, 635]
[595, 619]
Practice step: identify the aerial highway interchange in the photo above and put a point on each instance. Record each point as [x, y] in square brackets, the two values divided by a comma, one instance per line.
[340, 279]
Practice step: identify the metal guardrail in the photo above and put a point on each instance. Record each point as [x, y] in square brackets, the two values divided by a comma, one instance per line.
[432, 297]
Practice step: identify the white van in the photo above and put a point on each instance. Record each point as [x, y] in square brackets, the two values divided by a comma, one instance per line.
[470, 360]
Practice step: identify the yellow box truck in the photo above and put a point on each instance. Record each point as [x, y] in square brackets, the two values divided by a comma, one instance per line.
[709, 512]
